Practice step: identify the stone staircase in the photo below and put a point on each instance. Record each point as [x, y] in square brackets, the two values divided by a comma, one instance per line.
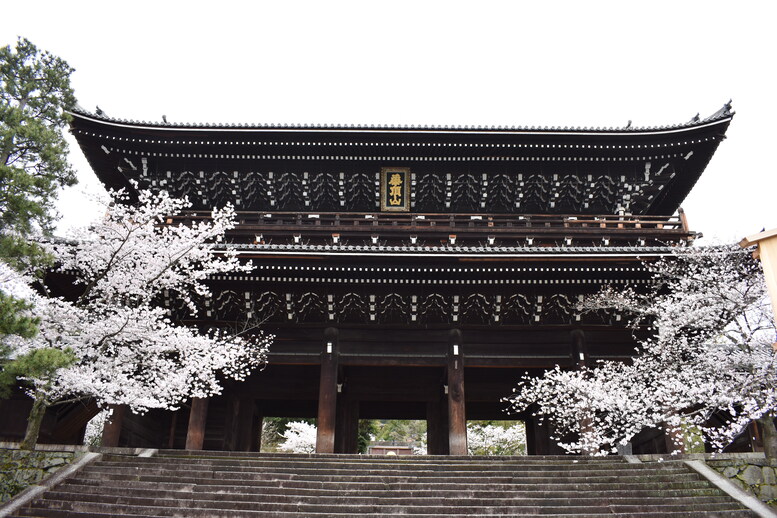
[222, 484]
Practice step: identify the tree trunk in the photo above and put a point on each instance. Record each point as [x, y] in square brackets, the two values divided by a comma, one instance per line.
[34, 422]
[769, 435]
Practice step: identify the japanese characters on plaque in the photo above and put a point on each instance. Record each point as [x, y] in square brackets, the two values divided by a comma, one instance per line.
[395, 189]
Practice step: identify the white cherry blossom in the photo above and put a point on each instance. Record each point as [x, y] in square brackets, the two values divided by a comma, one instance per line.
[704, 360]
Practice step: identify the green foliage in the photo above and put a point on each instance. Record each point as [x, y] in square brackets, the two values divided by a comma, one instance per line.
[401, 430]
[367, 428]
[38, 363]
[14, 320]
[273, 428]
[693, 439]
[34, 94]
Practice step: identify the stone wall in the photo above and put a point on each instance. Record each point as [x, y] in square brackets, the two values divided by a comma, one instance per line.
[22, 468]
[756, 476]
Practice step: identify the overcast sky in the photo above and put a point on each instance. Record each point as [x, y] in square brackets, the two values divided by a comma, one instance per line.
[580, 63]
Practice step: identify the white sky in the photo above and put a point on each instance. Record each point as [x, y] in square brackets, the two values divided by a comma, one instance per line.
[577, 63]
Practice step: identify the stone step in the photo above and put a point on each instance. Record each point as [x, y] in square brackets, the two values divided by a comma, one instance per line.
[238, 478]
[171, 490]
[649, 484]
[112, 513]
[306, 472]
[335, 486]
[380, 510]
[418, 459]
[220, 500]
[399, 458]
[405, 465]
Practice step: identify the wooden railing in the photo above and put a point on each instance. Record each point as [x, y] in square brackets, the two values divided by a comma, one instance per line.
[445, 222]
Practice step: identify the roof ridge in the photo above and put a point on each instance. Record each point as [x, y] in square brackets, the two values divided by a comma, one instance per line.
[722, 113]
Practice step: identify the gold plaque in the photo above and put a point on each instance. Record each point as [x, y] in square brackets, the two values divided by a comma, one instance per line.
[395, 189]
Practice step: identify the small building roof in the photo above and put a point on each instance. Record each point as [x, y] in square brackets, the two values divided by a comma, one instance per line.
[754, 239]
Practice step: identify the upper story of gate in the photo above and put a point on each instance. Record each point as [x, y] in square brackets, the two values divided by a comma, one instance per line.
[319, 169]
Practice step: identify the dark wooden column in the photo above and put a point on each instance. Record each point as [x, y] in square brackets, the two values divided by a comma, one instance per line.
[347, 427]
[457, 418]
[580, 352]
[437, 427]
[255, 437]
[327, 394]
[171, 429]
[579, 348]
[112, 428]
[230, 436]
[195, 434]
[238, 425]
[538, 438]
[246, 440]
[534, 440]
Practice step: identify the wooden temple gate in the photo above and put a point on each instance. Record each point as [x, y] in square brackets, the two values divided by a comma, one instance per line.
[411, 273]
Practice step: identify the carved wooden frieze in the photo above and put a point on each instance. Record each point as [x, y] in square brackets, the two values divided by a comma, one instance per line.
[241, 308]
[397, 189]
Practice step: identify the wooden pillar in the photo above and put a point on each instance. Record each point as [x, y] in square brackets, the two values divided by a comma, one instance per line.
[245, 437]
[171, 430]
[538, 438]
[229, 438]
[579, 348]
[535, 439]
[437, 427]
[239, 425]
[195, 434]
[580, 352]
[457, 418]
[755, 436]
[255, 437]
[327, 394]
[112, 427]
[347, 427]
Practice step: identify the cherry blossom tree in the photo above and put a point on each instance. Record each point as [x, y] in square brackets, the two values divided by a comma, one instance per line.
[496, 439]
[125, 348]
[707, 362]
[299, 437]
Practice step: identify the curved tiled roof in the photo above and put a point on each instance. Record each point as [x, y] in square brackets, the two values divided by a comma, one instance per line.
[723, 113]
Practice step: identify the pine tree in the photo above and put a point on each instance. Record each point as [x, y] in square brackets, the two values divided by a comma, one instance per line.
[35, 93]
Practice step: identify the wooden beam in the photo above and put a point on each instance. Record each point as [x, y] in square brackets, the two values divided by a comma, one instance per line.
[195, 434]
[327, 394]
[457, 419]
[112, 428]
